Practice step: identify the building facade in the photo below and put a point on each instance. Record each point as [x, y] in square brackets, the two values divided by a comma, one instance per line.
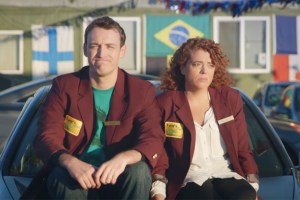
[42, 40]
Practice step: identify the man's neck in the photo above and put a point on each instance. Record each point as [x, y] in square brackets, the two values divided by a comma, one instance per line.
[104, 82]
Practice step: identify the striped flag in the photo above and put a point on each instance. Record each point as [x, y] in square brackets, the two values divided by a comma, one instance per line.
[52, 50]
[287, 48]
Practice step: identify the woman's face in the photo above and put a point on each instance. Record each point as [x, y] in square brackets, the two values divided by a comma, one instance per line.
[198, 71]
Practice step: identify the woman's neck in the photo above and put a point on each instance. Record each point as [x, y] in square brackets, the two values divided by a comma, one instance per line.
[199, 104]
[199, 95]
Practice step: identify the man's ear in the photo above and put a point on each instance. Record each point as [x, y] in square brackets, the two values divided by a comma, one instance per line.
[85, 50]
[123, 51]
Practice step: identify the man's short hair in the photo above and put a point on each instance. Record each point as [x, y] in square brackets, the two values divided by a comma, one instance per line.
[105, 23]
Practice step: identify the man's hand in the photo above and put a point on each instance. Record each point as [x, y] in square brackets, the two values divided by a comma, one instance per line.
[109, 171]
[82, 172]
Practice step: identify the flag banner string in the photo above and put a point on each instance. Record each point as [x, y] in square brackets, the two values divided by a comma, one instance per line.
[235, 7]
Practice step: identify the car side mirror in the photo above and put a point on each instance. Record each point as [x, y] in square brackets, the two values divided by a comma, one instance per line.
[282, 112]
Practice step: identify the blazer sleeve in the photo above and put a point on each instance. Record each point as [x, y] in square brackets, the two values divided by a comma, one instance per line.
[150, 134]
[51, 133]
[245, 155]
[163, 160]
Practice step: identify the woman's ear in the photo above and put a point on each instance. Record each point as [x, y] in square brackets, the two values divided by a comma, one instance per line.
[182, 69]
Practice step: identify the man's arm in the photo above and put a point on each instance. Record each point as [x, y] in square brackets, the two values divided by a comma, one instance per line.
[109, 171]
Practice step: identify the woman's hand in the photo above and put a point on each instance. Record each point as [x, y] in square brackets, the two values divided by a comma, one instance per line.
[158, 197]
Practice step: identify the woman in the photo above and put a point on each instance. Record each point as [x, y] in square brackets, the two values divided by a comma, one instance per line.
[207, 140]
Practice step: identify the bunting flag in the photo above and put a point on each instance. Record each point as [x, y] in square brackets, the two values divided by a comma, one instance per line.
[235, 7]
[166, 33]
[52, 50]
[287, 48]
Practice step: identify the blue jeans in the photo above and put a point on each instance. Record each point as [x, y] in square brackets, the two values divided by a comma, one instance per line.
[133, 183]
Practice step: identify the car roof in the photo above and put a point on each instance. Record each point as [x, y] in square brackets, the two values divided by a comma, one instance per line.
[15, 92]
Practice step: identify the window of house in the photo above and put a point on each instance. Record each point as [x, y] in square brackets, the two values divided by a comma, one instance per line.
[131, 62]
[11, 52]
[246, 42]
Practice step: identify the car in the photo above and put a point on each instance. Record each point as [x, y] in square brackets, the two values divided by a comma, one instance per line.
[268, 95]
[285, 118]
[13, 99]
[19, 163]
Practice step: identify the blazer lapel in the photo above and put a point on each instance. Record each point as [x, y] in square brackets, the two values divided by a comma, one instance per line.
[223, 115]
[85, 103]
[117, 108]
[185, 115]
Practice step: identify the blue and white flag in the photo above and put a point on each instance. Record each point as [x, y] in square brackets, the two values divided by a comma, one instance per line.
[52, 50]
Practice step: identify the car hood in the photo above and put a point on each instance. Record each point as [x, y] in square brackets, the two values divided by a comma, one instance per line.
[4, 192]
[281, 187]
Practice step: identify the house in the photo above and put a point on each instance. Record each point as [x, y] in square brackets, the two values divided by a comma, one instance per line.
[41, 38]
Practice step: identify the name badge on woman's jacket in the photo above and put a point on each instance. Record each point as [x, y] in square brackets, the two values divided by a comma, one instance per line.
[173, 129]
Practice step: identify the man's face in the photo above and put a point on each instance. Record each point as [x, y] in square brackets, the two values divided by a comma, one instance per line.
[103, 50]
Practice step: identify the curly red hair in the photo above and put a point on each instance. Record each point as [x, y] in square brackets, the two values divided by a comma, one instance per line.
[172, 79]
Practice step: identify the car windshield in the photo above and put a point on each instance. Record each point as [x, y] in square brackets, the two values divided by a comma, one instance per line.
[265, 155]
[273, 94]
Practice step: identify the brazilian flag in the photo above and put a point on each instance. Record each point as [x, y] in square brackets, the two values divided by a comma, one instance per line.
[166, 33]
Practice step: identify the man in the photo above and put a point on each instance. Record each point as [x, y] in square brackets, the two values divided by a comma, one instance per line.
[100, 127]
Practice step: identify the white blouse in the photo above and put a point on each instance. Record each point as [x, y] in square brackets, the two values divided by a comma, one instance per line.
[210, 159]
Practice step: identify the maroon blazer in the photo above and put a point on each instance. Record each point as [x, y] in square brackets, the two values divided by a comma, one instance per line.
[225, 102]
[133, 119]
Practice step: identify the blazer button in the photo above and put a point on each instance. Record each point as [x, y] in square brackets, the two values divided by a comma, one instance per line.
[154, 156]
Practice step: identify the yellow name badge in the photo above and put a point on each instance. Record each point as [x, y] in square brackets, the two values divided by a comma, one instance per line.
[173, 129]
[72, 125]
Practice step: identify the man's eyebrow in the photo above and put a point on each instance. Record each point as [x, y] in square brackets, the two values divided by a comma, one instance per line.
[112, 44]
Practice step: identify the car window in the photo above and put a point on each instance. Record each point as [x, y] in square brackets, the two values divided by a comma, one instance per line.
[267, 160]
[25, 162]
[273, 94]
[287, 98]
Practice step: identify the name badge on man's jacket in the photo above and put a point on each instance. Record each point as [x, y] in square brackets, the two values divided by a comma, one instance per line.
[72, 125]
[173, 129]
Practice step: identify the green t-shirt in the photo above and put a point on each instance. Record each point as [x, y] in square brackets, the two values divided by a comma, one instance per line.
[94, 153]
